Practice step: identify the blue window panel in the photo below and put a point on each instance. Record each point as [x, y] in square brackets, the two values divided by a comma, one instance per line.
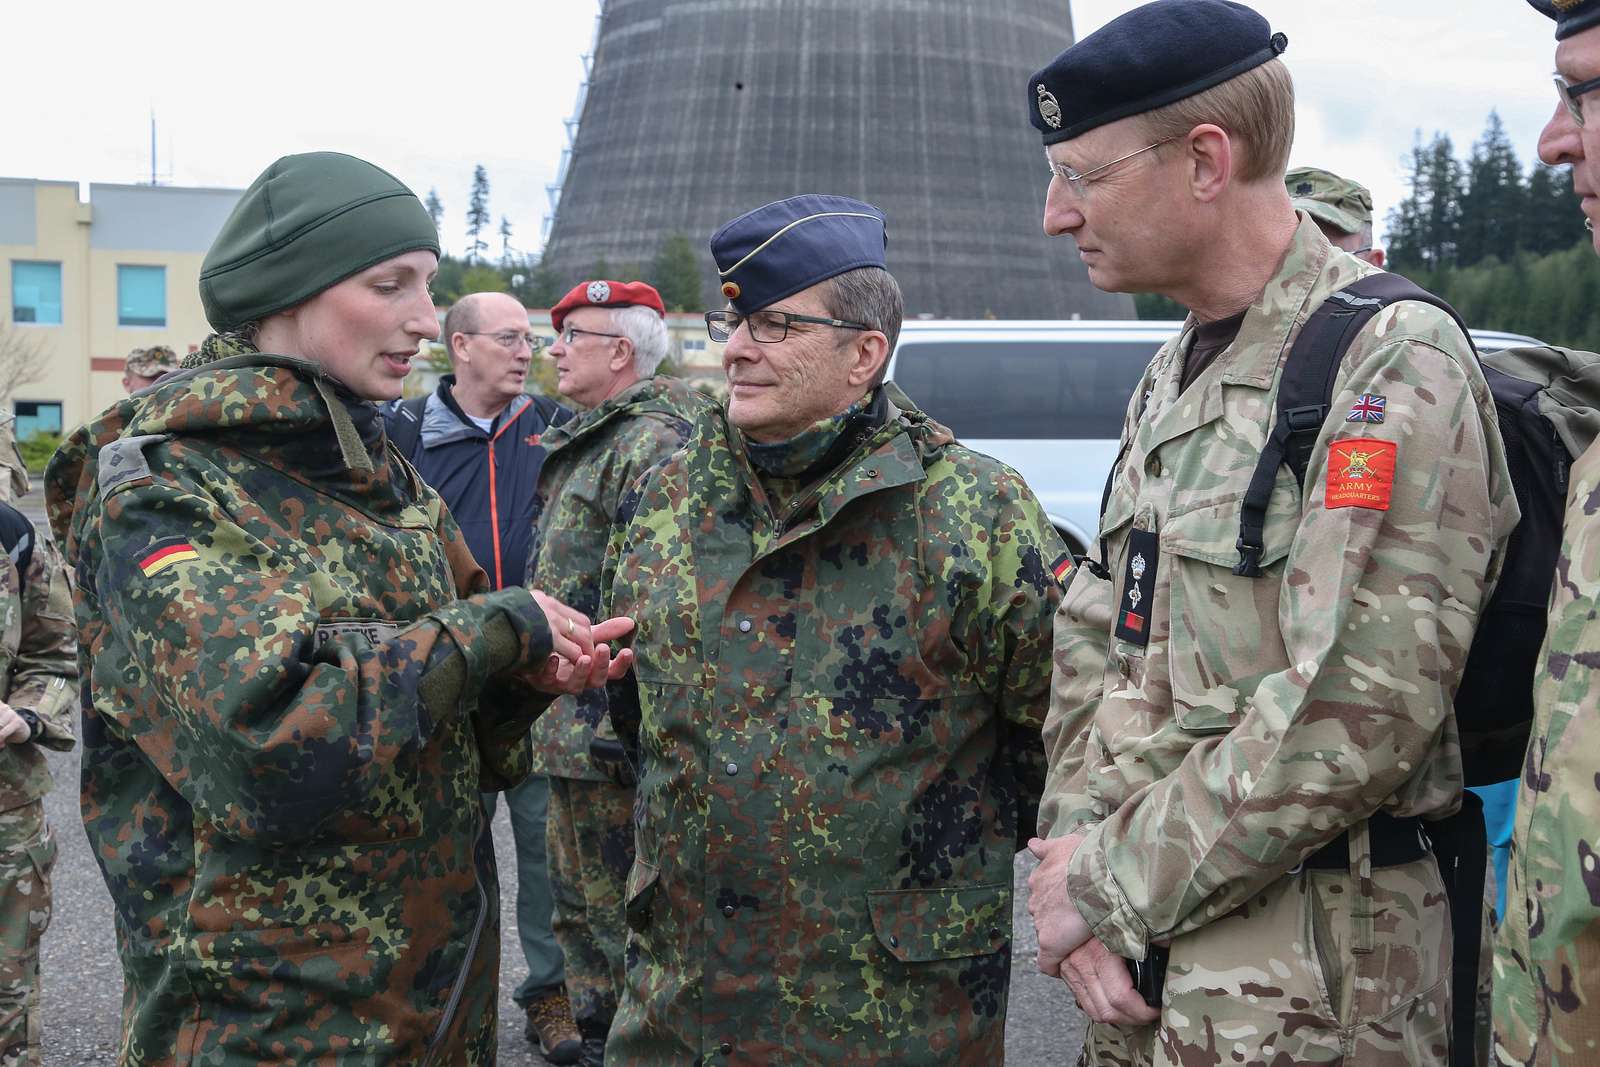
[141, 296]
[36, 292]
[37, 416]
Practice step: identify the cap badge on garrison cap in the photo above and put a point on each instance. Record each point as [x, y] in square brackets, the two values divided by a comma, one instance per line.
[1049, 108]
[730, 290]
[599, 292]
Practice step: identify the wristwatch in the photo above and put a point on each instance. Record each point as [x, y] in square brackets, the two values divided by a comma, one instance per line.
[31, 717]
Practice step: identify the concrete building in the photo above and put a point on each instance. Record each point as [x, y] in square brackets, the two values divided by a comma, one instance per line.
[697, 110]
[88, 281]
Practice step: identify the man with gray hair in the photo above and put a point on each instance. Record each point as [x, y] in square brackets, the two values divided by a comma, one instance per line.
[612, 337]
[1341, 208]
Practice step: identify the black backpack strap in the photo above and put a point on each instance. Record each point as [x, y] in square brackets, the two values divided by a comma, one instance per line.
[405, 427]
[1305, 393]
[1103, 567]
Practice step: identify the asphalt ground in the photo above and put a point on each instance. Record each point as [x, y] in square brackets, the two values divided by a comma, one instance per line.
[83, 983]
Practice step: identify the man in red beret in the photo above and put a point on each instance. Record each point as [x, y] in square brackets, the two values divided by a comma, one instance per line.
[611, 337]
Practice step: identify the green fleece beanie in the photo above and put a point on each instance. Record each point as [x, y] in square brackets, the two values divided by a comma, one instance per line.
[307, 223]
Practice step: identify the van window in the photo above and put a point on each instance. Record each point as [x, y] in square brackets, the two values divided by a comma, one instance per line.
[1029, 389]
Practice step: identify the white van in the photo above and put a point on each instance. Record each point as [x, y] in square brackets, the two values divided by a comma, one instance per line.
[1046, 398]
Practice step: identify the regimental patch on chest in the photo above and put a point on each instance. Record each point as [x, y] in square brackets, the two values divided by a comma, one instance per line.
[1138, 587]
[1360, 473]
[167, 552]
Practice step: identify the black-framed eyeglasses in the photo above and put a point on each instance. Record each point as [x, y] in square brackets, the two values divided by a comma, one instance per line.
[511, 340]
[1080, 181]
[571, 332]
[1570, 93]
[768, 327]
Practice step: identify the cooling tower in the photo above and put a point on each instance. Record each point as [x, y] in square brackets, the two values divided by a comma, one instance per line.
[698, 110]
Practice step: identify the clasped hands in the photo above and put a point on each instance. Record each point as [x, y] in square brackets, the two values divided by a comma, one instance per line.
[1069, 951]
[580, 656]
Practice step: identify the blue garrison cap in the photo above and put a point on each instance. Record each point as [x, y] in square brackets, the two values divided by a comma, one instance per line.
[777, 250]
[1150, 57]
[1572, 16]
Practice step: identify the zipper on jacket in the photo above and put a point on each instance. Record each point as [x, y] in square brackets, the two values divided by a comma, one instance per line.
[454, 1003]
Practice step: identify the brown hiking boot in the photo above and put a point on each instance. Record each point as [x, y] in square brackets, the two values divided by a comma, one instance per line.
[550, 1026]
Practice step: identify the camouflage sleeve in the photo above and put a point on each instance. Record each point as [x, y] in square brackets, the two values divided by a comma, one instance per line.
[268, 732]
[622, 696]
[1380, 594]
[1082, 624]
[654, 441]
[585, 510]
[44, 673]
[1080, 648]
[1025, 552]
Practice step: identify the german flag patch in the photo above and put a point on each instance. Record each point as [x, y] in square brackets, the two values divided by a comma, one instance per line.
[1062, 567]
[164, 553]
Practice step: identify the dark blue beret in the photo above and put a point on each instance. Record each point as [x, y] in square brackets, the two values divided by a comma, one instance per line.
[1150, 57]
[1572, 16]
[779, 249]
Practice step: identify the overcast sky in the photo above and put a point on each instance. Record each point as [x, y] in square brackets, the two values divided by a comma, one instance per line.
[429, 89]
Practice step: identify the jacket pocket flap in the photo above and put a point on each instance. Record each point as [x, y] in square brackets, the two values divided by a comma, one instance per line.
[1211, 533]
[921, 925]
[642, 878]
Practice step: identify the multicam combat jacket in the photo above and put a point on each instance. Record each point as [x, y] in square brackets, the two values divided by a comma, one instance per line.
[283, 753]
[39, 662]
[591, 463]
[1259, 717]
[840, 713]
[1547, 949]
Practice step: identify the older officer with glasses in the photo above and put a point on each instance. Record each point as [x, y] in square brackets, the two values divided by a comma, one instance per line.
[1547, 949]
[476, 440]
[844, 622]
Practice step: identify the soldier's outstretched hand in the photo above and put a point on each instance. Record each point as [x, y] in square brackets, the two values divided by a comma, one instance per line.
[581, 651]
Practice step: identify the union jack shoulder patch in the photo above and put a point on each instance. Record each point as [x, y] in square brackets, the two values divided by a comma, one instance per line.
[1369, 407]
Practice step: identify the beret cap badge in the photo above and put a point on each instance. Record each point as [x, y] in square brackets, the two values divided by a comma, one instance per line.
[599, 292]
[1049, 107]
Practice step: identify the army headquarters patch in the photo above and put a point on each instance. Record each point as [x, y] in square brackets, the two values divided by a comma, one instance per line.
[1138, 586]
[165, 553]
[1360, 473]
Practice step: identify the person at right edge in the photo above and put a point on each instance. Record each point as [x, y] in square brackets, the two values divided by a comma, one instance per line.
[1241, 767]
[1547, 947]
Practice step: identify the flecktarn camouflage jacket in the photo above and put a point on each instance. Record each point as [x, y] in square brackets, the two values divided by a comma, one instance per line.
[283, 752]
[839, 714]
